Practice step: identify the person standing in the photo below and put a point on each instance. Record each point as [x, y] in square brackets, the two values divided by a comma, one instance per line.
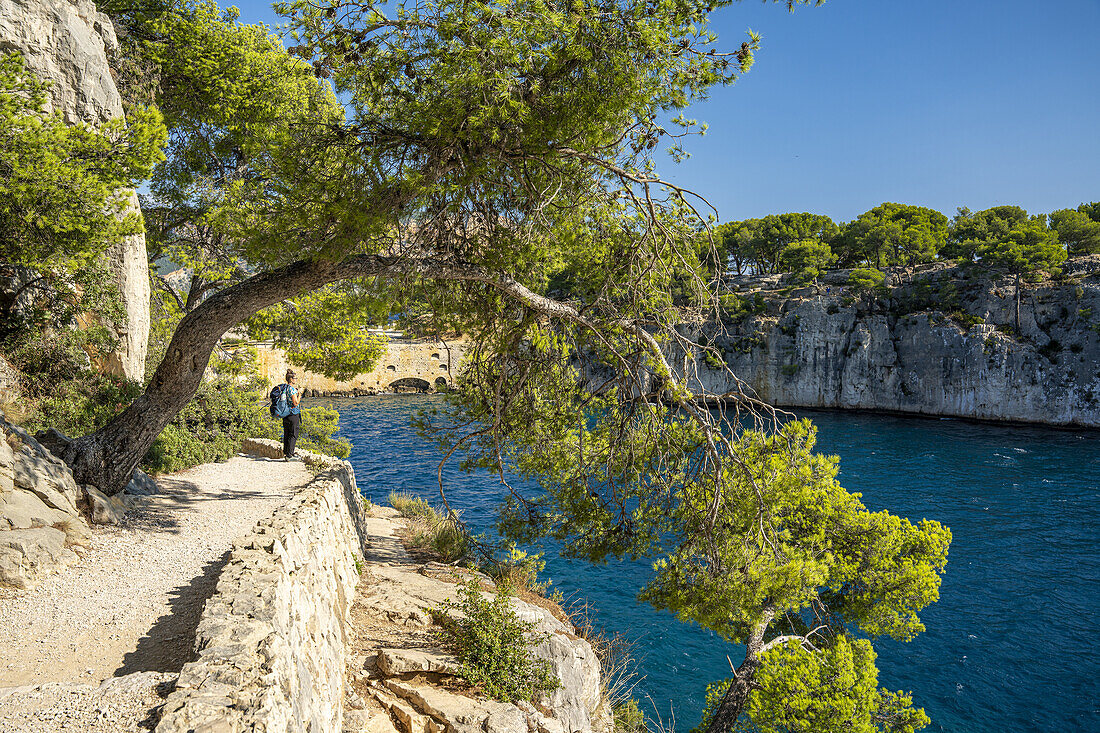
[287, 407]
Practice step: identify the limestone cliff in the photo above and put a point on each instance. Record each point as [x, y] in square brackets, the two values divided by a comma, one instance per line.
[67, 44]
[941, 343]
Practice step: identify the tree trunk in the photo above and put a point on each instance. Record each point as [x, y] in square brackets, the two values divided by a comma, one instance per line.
[107, 458]
[1018, 282]
[733, 702]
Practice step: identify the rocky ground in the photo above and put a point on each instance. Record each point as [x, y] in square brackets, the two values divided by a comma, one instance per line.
[401, 679]
[95, 646]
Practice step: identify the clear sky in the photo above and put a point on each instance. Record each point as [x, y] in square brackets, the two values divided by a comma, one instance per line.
[942, 103]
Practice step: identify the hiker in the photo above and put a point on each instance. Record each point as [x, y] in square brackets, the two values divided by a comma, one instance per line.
[284, 404]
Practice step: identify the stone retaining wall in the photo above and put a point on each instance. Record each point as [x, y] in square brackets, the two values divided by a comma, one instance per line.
[272, 638]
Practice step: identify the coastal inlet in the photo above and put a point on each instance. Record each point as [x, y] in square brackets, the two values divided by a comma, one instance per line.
[1007, 645]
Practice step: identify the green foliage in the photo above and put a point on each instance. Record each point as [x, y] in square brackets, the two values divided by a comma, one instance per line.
[325, 331]
[224, 411]
[61, 388]
[1006, 239]
[713, 698]
[867, 280]
[807, 258]
[628, 717]
[494, 646]
[63, 195]
[762, 242]
[319, 424]
[1078, 230]
[967, 320]
[892, 234]
[836, 688]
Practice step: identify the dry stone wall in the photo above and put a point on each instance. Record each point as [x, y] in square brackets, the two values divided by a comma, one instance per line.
[272, 639]
[280, 649]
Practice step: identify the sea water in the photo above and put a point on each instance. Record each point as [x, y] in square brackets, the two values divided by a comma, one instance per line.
[1012, 644]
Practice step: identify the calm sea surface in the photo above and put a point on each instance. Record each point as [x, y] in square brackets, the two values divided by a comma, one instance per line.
[1012, 645]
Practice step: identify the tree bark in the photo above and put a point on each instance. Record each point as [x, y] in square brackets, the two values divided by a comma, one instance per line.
[1019, 280]
[733, 702]
[107, 458]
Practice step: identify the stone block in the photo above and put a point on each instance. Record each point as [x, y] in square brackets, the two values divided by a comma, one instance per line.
[28, 555]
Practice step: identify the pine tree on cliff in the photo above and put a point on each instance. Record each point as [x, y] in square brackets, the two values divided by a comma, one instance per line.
[486, 150]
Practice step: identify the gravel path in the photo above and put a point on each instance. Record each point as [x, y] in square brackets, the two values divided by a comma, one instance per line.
[133, 602]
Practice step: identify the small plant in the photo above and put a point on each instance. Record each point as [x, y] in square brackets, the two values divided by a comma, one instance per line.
[711, 359]
[429, 530]
[789, 370]
[967, 320]
[519, 570]
[493, 646]
[628, 717]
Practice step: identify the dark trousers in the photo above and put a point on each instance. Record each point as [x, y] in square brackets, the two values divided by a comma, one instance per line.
[291, 423]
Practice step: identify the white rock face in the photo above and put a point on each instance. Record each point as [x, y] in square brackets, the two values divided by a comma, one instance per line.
[67, 44]
[829, 350]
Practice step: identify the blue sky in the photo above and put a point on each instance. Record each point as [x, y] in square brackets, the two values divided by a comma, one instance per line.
[942, 103]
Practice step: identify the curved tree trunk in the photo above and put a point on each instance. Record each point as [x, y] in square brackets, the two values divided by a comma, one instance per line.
[107, 458]
[733, 702]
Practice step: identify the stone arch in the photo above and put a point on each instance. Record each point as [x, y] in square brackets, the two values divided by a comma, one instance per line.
[391, 368]
[410, 384]
[441, 383]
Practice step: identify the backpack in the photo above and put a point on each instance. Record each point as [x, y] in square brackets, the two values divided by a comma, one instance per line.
[279, 406]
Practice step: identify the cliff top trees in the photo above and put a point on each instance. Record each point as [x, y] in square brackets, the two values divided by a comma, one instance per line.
[892, 234]
[1078, 230]
[760, 242]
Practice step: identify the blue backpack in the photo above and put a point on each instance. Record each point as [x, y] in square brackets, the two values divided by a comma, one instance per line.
[279, 405]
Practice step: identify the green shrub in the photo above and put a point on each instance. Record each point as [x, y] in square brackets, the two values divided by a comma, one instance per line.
[967, 320]
[61, 389]
[867, 279]
[223, 412]
[493, 646]
[628, 717]
[319, 423]
[789, 370]
[712, 359]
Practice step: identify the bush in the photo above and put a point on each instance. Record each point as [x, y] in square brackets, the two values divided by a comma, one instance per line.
[867, 279]
[61, 389]
[493, 646]
[967, 320]
[628, 717]
[319, 423]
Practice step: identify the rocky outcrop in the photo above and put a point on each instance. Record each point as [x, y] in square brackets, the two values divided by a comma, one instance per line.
[404, 680]
[67, 44]
[44, 514]
[40, 522]
[941, 343]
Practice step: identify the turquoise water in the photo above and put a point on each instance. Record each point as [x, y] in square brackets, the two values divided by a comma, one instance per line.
[1012, 643]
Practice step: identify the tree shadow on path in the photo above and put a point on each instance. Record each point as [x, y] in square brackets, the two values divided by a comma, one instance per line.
[170, 643]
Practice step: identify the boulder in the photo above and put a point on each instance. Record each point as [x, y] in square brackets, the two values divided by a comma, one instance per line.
[28, 555]
[102, 509]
